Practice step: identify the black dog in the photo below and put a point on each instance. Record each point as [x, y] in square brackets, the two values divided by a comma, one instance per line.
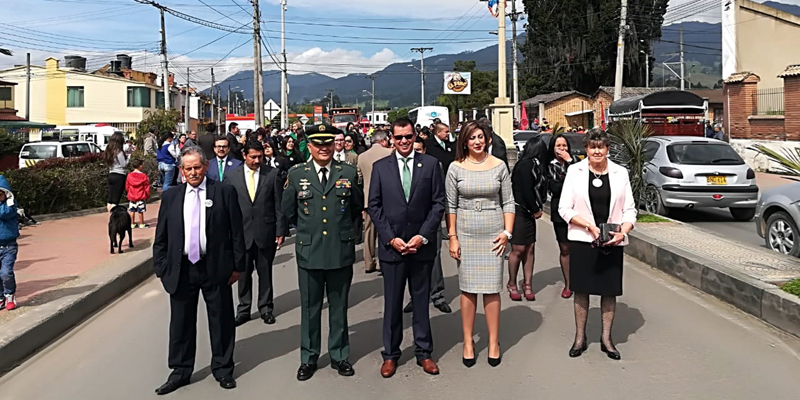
[118, 223]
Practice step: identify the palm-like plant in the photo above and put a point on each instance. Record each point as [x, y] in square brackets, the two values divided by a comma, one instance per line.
[788, 160]
[627, 149]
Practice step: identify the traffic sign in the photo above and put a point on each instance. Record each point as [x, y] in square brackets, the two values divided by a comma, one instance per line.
[304, 119]
[271, 109]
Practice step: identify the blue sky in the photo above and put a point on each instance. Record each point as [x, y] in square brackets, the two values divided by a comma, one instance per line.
[322, 35]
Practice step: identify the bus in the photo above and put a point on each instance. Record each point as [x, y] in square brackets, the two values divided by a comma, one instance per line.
[98, 134]
[424, 116]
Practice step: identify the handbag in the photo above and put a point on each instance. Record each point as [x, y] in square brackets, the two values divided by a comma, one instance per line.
[606, 232]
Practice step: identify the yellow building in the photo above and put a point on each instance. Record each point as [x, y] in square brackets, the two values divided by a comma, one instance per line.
[72, 96]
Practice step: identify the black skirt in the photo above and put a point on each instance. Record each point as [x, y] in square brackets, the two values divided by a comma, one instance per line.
[595, 271]
[524, 229]
[561, 229]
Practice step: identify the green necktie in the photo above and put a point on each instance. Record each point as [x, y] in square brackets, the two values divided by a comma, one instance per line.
[221, 169]
[406, 177]
[441, 143]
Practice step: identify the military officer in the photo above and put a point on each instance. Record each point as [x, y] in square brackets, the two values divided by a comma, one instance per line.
[324, 198]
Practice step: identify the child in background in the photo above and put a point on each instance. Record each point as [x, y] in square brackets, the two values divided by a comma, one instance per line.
[138, 187]
[9, 232]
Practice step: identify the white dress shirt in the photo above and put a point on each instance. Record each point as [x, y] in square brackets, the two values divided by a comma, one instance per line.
[188, 203]
[340, 156]
[401, 166]
[247, 175]
[317, 167]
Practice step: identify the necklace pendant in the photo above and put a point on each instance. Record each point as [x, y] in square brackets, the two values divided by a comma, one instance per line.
[596, 182]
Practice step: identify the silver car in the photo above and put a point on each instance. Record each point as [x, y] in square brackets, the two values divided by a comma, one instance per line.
[693, 172]
[777, 216]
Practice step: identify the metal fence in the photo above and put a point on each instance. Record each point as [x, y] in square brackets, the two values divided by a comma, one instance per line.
[768, 102]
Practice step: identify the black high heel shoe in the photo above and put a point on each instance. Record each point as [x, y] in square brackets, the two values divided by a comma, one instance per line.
[469, 362]
[496, 361]
[577, 352]
[614, 355]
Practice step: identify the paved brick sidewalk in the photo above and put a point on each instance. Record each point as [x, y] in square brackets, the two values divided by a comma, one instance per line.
[758, 263]
[767, 181]
[54, 256]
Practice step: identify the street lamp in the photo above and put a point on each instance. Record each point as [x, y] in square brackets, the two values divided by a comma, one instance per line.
[422, 74]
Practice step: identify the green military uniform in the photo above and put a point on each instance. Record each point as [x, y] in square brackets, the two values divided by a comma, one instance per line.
[324, 246]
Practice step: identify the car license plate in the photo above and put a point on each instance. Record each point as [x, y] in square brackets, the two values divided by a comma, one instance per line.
[717, 180]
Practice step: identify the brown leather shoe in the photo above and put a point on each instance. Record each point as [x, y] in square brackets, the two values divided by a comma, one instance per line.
[429, 366]
[388, 368]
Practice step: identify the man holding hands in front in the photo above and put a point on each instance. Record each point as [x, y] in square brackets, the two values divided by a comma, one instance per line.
[406, 204]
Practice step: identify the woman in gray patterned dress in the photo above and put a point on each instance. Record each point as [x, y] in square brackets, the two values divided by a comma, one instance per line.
[480, 218]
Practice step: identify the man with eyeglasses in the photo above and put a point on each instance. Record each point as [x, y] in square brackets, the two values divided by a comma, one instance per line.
[323, 198]
[407, 213]
[222, 163]
[340, 154]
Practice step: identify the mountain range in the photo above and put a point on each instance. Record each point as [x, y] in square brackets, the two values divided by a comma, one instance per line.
[399, 84]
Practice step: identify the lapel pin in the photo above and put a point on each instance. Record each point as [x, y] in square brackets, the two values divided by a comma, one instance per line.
[209, 202]
[230, 163]
[419, 165]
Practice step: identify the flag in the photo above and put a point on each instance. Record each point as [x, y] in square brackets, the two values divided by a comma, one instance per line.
[602, 116]
[494, 7]
[523, 122]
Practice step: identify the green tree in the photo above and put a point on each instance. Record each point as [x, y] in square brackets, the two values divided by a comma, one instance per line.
[397, 113]
[9, 143]
[484, 89]
[163, 120]
[572, 44]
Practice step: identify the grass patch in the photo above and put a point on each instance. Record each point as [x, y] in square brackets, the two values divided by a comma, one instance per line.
[792, 287]
[645, 218]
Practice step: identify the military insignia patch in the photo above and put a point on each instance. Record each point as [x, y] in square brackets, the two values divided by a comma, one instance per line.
[343, 184]
[322, 128]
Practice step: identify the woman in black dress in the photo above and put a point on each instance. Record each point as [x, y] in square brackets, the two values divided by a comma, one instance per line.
[529, 185]
[560, 160]
[596, 192]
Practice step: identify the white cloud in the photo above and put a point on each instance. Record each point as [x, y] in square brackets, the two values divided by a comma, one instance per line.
[339, 62]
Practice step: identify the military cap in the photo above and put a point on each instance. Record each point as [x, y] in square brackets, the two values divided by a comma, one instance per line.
[322, 133]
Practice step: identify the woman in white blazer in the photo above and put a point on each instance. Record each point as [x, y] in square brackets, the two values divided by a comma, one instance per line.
[596, 191]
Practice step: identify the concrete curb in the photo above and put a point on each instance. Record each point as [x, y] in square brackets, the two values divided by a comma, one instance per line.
[760, 299]
[80, 213]
[25, 335]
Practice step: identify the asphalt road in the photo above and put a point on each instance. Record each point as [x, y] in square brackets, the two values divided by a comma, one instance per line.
[676, 343]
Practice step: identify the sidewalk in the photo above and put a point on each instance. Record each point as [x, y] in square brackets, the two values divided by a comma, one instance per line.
[767, 181]
[56, 256]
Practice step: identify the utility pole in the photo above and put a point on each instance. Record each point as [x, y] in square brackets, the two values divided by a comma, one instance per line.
[284, 77]
[213, 109]
[258, 93]
[623, 26]
[372, 78]
[647, 71]
[683, 77]
[28, 89]
[219, 113]
[515, 16]
[164, 61]
[330, 94]
[186, 105]
[421, 51]
[229, 99]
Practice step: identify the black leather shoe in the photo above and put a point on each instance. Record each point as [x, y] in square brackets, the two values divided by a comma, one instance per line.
[306, 371]
[408, 308]
[227, 382]
[268, 318]
[241, 320]
[493, 362]
[614, 355]
[468, 362]
[443, 307]
[577, 351]
[171, 386]
[344, 368]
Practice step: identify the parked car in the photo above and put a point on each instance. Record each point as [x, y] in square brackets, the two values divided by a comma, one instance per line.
[575, 141]
[31, 153]
[690, 172]
[777, 218]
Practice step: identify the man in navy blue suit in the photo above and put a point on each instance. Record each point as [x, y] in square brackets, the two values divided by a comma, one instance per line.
[220, 165]
[406, 204]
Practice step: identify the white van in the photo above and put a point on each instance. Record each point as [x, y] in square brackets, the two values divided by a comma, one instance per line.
[98, 134]
[31, 153]
[424, 116]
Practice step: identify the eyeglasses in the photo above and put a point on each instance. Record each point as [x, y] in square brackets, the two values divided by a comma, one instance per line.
[348, 141]
[339, 140]
[221, 147]
[401, 137]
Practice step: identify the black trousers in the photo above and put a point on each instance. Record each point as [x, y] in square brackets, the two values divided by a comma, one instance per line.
[183, 323]
[260, 260]
[395, 276]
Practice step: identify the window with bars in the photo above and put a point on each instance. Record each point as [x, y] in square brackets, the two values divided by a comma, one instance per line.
[75, 96]
[138, 97]
[5, 94]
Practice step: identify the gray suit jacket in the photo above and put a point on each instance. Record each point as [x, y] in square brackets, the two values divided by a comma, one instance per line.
[263, 218]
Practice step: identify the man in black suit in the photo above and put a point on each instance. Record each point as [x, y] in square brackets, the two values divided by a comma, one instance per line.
[497, 146]
[406, 203]
[235, 141]
[440, 146]
[260, 191]
[199, 247]
[206, 141]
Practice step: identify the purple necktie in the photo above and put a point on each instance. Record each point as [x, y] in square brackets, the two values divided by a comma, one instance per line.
[194, 233]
